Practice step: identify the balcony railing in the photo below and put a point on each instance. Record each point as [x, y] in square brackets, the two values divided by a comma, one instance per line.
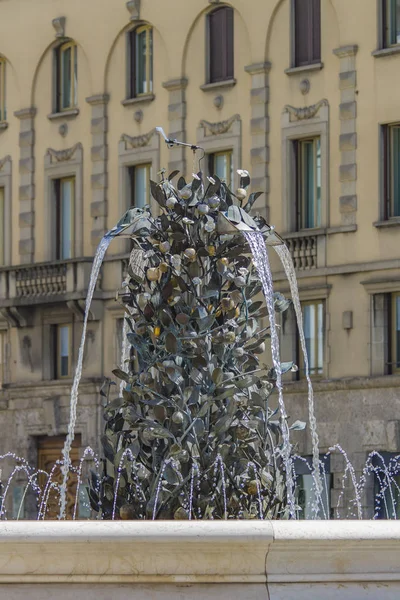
[41, 280]
[307, 248]
[44, 282]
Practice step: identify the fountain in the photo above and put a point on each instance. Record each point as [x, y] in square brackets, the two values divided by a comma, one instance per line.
[195, 435]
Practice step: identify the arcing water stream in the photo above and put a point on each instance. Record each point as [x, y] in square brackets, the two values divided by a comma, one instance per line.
[261, 261]
[97, 262]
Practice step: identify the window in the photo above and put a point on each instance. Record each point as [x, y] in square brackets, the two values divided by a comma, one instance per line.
[305, 487]
[139, 185]
[67, 74]
[308, 183]
[64, 193]
[385, 468]
[62, 340]
[2, 357]
[313, 325]
[220, 45]
[391, 168]
[394, 333]
[307, 32]
[220, 164]
[3, 114]
[2, 226]
[391, 22]
[141, 61]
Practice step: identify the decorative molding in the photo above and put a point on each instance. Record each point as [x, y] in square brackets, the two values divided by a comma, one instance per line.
[344, 51]
[256, 68]
[63, 129]
[175, 84]
[133, 7]
[98, 99]
[25, 113]
[17, 316]
[304, 86]
[218, 102]
[220, 127]
[138, 141]
[4, 160]
[62, 155]
[305, 112]
[59, 26]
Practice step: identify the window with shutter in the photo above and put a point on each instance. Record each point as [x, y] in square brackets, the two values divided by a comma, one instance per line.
[391, 22]
[307, 32]
[220, 45]
[140, 61]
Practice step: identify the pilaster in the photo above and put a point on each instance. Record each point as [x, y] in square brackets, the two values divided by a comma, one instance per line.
[348, 133]
[26, 192]
[177, 122]
[259, 131]
[99, 183]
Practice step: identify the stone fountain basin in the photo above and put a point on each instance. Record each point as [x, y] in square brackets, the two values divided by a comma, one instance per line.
[247, 560]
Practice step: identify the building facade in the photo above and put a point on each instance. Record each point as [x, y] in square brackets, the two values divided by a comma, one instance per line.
[302, 93]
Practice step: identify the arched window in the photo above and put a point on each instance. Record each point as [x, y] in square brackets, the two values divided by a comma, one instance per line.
[66, 68]
[220, 44]
[140, 61]
[3, 115]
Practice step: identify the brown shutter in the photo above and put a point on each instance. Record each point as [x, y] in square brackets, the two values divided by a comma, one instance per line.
[316, 31]
[229, 43]
[307, 33]
[220, 31]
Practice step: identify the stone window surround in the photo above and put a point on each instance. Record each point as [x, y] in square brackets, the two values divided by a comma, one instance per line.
[382, 221]
[317, 125]
[142, 98]
[57, 316]
[290, 346]
[6, 183]
[73, 111]
[381, 49]
[217, 137]
[379, 289]
[59, 164]
[136, 151]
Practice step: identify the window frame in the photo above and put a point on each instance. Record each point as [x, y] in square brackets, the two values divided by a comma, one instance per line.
[3, 355]
[132, 80]
[57, 350]
[3, 108]
[59, 86]
[131, 179]
[2, 224]
[211, 163]
[295, 63]
[387, 170]
[300, 359]
[303, 466]
[295, 128]
[209, 54]
[57, 196]
[393, 355]
[300, 187]
[384, 26]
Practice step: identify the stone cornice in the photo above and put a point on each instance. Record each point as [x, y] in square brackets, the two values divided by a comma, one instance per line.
[25, 113]
[344, 51]
[175, 84]
[255, 68]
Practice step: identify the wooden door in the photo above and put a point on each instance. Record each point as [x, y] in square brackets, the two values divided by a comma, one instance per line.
[49, 451]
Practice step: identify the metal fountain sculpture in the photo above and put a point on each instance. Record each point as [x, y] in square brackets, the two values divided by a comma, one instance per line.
[194, 432]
